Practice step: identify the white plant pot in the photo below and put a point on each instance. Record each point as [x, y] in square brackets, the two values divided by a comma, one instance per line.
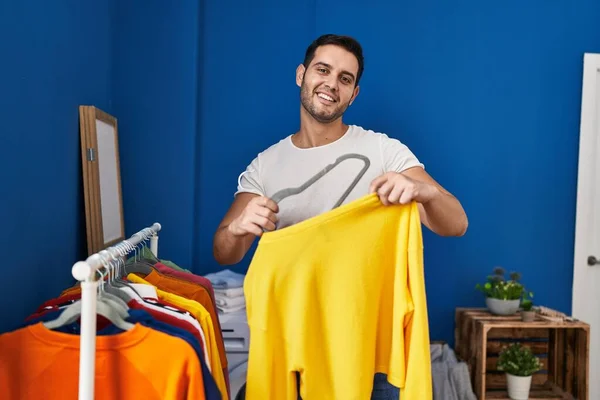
[502, 307]
[518, 386]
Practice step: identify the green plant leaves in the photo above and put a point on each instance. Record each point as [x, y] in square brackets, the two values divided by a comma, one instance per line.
[498, 287]
[518, 360]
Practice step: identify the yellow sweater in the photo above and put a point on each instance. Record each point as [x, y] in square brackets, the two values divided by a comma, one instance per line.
[337, 298]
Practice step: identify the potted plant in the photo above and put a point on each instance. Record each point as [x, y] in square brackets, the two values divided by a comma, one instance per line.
[503, 297]
[519, 364]
[527, 311]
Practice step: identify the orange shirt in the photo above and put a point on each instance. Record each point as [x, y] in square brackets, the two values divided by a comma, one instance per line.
[187, 289]
[38, 363]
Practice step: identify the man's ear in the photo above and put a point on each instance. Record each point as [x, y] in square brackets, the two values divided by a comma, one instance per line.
[356, 90]
[300, 74]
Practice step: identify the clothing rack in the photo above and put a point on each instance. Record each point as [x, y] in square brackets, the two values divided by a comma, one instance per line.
[85, 272]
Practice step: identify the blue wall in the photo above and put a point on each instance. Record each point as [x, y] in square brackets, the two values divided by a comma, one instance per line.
[200, 88]
[155, 90]
[487, 94]
[55, 56]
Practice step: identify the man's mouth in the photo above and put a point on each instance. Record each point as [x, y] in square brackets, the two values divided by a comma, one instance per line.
[326, 97]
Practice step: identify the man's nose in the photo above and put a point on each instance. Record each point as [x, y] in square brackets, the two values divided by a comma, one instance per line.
[331, 83]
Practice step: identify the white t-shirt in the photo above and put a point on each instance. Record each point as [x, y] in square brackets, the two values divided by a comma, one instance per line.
[284, 165]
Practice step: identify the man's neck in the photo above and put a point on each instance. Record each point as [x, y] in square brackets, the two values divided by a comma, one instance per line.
[313, 133]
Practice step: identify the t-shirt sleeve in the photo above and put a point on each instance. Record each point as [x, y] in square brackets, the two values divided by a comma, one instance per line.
[249, 180]
[397, 157]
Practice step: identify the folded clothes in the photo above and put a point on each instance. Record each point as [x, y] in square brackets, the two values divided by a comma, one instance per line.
[225, 279]
[230, 301]
[230, 309]
[231, 292]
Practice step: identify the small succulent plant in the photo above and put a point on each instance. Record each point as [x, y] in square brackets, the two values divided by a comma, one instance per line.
[498, 287]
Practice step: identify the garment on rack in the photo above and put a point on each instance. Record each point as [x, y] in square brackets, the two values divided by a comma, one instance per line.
[142, 363]
[192, 291]
[177, 313]
[203, 316]
[186, 276]
[194, 299]
[140, 316]
[167, 315]
[147, 254]
[338, 298]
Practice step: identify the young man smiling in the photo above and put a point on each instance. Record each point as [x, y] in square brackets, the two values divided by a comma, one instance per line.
[329, 83]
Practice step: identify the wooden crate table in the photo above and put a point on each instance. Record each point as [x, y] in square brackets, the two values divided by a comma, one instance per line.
[563, 349]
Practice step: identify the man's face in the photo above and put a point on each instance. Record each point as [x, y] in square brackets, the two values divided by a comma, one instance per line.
[327, 85]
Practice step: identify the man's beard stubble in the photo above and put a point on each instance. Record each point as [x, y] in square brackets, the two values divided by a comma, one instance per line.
[322, 117]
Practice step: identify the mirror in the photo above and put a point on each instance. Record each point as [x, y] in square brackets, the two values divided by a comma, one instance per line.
[101, 178]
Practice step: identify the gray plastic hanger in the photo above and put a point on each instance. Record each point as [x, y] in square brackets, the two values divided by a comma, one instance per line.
[106, 307]
[140, 265]
[111, 287]
[113, 299]
[72, 312]
[282, 194]
[123, 285]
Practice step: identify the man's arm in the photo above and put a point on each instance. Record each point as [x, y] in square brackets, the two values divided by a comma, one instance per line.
[443, 213]
[439, 210]
[246, 218]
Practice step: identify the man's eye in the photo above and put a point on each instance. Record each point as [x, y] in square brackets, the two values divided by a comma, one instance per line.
[323, 70]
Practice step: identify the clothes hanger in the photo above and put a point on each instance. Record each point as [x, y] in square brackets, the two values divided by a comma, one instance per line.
[73, 312]
[134, 290]
[104, 307]
[113, 300]
[140, 265]
[111, 287]
[282, 194]
[146, 256]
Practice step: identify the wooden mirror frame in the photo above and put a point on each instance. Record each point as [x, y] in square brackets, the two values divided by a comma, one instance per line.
[101, 178]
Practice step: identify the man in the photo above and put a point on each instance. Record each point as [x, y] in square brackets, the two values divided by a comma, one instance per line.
[328, 80]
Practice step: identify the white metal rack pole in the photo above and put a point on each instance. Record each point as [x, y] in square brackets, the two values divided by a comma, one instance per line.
[85, 272]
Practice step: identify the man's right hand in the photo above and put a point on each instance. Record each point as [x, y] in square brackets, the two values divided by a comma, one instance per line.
[259, 213]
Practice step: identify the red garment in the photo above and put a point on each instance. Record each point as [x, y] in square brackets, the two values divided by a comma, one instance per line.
[57, 302]
[53, 305]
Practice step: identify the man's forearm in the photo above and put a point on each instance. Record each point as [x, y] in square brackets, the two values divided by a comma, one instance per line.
[227, 248]
[445, 215]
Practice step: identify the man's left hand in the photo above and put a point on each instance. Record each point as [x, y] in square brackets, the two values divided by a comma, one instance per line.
[395, 188]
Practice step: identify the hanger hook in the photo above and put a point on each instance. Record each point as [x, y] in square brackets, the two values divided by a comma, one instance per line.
[113, 258]
[106, 258]
[102, 256]
[122, 251]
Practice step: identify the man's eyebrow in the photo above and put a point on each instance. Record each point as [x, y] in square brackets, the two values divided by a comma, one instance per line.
[330, 67]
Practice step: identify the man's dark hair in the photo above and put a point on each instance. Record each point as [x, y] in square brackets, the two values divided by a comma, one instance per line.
[347, 42]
